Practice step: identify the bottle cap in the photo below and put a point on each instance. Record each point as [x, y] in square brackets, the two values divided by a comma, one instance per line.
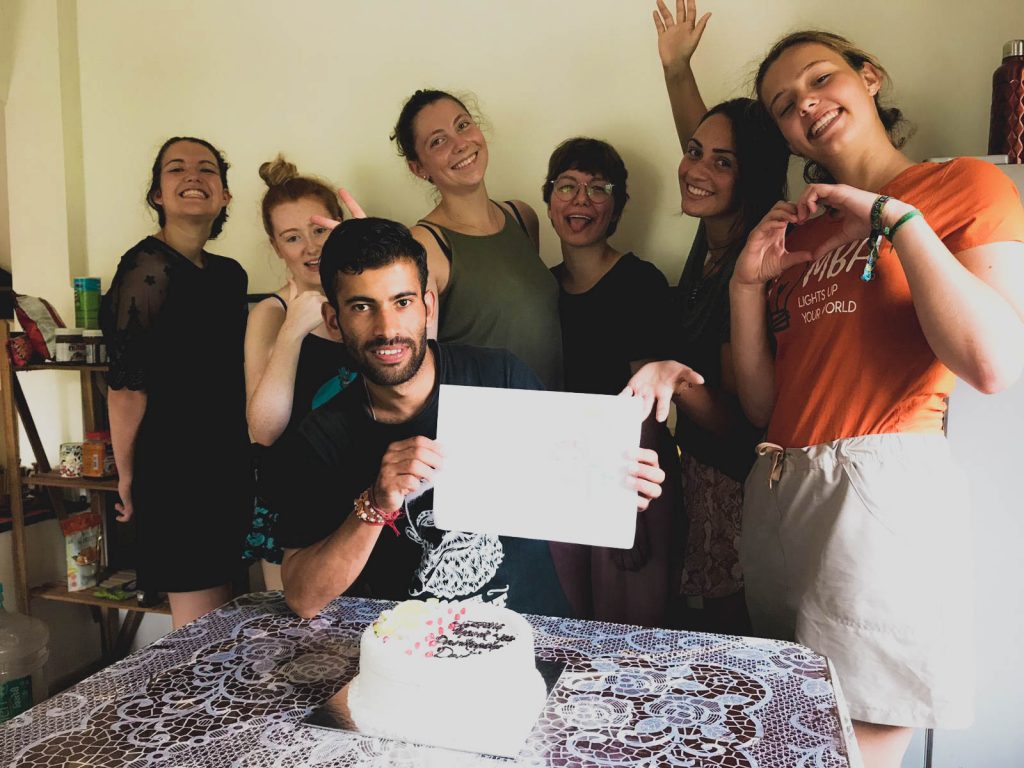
[97, 436]
[1013, 48]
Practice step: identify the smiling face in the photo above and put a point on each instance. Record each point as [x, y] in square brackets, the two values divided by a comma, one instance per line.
[450, 147]
[709, 170]
[297, 241]
[580, 221]
[822, 106]
[382, 318]
[190, 183]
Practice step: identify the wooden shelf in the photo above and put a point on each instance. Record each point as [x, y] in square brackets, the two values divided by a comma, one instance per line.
[59, 592]
[97, 367]
[55, 480]
[117, 631]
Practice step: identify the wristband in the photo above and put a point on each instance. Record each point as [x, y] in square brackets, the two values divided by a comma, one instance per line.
[890, 232]
[367, 511]
[875, 237]
[876, 214]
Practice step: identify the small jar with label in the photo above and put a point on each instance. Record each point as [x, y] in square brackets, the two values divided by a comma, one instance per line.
[70, 460]
[95, 348]
[98, 455]
[63, 338]
[70, 345]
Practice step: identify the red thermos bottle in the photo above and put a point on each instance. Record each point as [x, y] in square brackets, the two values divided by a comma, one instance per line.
[1006, 125]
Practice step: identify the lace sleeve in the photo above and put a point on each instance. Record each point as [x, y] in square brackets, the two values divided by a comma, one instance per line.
[131, 309]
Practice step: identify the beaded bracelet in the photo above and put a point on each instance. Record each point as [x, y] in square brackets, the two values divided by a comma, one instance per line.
[367, 511]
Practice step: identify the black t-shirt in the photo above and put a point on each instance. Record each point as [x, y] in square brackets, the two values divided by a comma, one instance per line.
[624, 317]
[335, 455]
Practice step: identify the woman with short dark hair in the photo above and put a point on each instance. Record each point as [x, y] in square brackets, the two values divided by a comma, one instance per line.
[614, 310]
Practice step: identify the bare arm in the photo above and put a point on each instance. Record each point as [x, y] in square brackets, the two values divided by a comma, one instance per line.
[677, 40]
[971, 307]
[752, 358]
[763, 258]
[438, 269]
[970, 304]
[273, 340]
[315, 575]
[125, 407]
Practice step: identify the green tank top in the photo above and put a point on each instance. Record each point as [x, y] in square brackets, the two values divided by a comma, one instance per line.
[500, 294]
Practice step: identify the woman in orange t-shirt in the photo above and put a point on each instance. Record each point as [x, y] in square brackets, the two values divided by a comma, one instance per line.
[854, 512]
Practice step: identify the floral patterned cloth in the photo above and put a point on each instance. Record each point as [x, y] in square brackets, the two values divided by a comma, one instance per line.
[259, 542]
[232, 689]
[714, 503]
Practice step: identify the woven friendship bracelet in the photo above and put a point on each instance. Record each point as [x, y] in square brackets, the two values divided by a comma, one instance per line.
[875, 237]
[366, 510]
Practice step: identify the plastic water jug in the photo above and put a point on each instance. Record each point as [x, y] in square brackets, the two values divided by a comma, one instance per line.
[23, 653]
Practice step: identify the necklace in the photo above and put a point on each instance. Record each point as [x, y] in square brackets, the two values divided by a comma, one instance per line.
[712, 263]
[369, 400]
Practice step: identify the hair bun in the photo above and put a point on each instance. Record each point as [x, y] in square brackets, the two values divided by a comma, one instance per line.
[278, 171]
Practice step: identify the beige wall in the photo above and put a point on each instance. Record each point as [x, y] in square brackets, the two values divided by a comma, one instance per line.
[324, 82]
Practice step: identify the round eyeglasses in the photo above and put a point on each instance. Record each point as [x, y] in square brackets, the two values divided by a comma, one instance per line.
[566, 188]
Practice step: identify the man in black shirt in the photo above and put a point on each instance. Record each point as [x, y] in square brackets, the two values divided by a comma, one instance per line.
[354, 484]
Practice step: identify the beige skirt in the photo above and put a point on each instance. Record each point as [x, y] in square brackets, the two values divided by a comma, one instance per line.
[860, 549]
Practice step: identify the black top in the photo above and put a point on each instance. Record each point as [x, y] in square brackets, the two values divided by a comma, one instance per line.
[702, 320]
[623, 318]
[324, 369]
[335, 455]
[175, 331]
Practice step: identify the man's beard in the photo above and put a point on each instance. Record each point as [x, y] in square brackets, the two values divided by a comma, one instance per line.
[391, 376]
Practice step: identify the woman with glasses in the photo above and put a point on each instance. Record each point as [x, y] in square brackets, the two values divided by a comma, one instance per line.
[493, 288]
[733, 170]
[614, 311]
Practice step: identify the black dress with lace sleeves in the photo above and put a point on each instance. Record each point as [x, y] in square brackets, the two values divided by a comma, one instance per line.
[130, 310]
[175, 330]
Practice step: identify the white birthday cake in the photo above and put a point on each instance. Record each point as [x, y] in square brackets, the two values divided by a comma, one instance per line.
[459, 675]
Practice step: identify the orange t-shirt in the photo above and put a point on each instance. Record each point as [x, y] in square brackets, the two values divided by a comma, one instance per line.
[851, 358]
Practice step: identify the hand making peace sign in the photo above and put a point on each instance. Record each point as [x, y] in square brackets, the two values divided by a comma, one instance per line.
[349, 202]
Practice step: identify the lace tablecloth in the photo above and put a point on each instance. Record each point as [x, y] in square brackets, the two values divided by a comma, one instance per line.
[232, 688]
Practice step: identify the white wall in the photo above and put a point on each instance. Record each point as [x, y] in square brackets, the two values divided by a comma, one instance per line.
[38, 224]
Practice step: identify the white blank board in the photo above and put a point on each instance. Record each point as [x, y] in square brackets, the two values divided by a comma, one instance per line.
[537, 465]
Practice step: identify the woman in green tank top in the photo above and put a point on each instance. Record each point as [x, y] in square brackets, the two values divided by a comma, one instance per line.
[483, 257]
